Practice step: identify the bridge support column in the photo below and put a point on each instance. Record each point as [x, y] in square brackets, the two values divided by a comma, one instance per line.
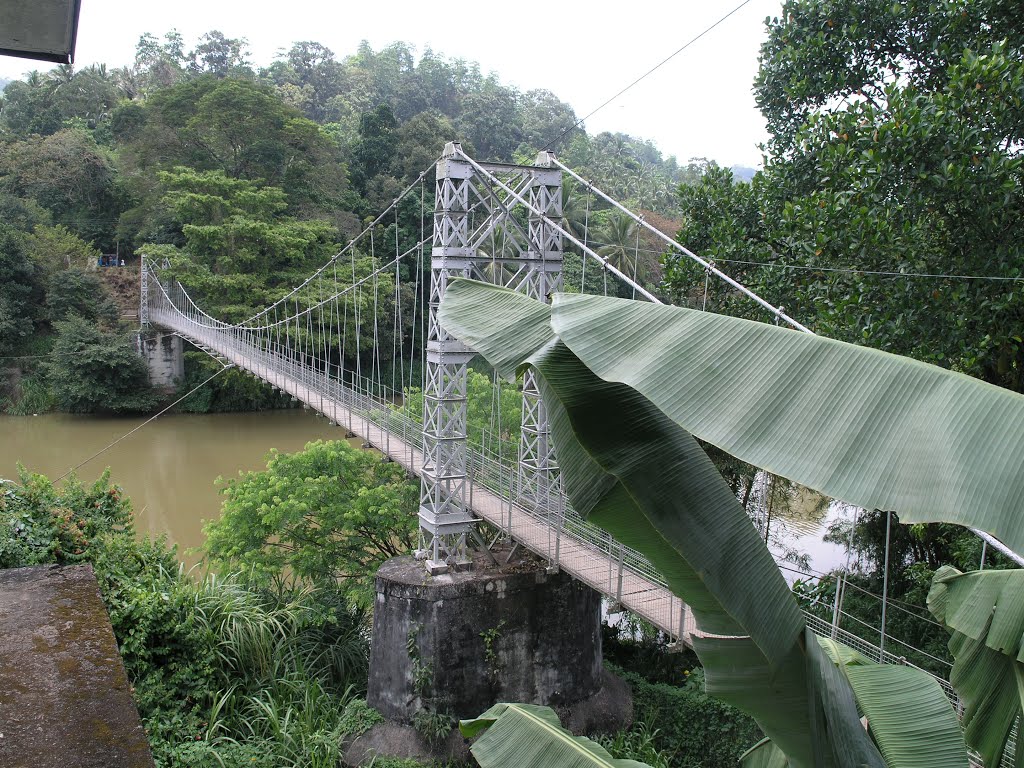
[445, 520]
[453, 645]
[538, 469]
[485, 240]
[164, 357]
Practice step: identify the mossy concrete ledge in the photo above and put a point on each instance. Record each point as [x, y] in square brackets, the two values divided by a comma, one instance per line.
[64, 697]
[456, 643]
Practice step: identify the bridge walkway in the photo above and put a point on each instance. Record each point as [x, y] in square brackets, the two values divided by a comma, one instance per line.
[585, 552]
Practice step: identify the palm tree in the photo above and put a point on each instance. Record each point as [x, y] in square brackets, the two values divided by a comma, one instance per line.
[619, 240]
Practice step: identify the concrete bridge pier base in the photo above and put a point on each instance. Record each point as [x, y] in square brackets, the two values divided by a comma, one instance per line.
[164, 357]
[456, 643]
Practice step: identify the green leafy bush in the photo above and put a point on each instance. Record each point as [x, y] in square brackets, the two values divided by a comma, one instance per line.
[692, 727]
[329, 514]
[41, 524]
[224, 673]
[637, 743]
[358, 718]
[93, 371]
[35, 396]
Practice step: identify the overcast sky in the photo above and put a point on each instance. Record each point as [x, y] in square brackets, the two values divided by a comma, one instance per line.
[700, 104]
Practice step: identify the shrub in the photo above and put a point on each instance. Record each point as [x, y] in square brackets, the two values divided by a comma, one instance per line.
[695, 729]
[35, 396]
[638, 743]
[224, 674]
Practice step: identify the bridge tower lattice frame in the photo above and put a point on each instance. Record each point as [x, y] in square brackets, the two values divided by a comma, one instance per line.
[470, 215]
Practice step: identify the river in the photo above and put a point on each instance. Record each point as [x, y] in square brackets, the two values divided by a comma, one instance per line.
[169, 467]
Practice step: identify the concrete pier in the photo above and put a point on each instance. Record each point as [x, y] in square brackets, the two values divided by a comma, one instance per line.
[458, 642]
[64, 697]
[164, 356]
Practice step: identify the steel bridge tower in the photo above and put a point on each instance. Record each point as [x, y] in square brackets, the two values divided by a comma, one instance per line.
[482, 230]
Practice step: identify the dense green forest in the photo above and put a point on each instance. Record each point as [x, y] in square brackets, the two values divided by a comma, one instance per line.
[244, 179]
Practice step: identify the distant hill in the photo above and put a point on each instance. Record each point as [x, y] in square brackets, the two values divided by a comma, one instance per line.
[3, 84]
[743, 173]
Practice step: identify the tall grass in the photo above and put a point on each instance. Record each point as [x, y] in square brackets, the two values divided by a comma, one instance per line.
[290, 663]
[35, 397]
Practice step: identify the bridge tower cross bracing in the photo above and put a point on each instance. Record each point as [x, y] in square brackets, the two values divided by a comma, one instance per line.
[538, 469]
[144, 292]
[534, 267]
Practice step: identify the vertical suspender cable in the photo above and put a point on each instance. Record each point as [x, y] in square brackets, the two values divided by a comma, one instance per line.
[885, 586]
[357, 296]
[586, 239]
[397, 353]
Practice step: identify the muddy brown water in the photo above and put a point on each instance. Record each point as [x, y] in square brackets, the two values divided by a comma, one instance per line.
[169, 467]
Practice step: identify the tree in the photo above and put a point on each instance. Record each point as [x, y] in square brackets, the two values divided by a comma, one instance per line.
[547, 121]
[419, 142]
[629, 386]
[18, 286]
[239, 127]
[629, 169]
[312, 74]
[329, 512]
[490, 120]
[374, 151]
[78, 292]
[54, 249]
[886, 211]
[221, 56]
[237, 243]
[92, 371]
[45, 103]
[70, 175]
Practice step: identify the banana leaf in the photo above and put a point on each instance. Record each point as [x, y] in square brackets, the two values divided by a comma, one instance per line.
[905, 712]
[871, 428]
[636, 472]
[764, 754]
[985, 610]
[530, 736]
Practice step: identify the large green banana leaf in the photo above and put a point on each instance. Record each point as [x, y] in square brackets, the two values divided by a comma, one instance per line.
[764, 754]
[652, 486]
[635, 472]
[529, 736]
[874, 429]
[985, 610]
[640, 476]
[910, 719]
[886, 695]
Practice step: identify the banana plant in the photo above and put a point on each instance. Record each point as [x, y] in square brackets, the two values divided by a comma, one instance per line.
[629, 386]
[530, 736]
[985, 612]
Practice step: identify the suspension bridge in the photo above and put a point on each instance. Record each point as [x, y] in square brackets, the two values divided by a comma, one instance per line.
[324, 343]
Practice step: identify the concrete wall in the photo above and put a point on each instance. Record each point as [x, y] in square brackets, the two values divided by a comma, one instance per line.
[163, 356]
[459, 642]
[64, 697]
